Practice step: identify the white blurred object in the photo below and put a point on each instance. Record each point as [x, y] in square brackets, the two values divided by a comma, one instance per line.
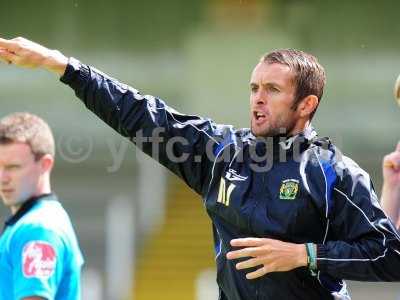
[120, 248]
[206, 285]
[92, 286]
[150, 194]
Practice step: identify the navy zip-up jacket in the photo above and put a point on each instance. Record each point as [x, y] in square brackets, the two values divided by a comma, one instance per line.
[298, 189]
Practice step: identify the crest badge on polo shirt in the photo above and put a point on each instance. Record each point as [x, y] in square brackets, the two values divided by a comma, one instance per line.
[38, 259]
[289, 189]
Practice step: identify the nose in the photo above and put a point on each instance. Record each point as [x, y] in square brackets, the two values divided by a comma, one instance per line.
[260, 97]
[261, 100]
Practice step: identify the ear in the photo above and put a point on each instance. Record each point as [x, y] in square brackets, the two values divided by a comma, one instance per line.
[308, 105]
[46, 163]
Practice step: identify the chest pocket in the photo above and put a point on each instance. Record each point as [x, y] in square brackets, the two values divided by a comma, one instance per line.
[285, 211]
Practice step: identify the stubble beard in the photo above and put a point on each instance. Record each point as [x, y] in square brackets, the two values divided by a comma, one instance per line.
[280, 128]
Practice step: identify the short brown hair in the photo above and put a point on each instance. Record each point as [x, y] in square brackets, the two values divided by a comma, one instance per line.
[22, 127]
[309, 75]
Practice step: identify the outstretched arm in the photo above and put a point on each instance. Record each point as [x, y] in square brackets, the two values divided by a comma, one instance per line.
[25, 53]
[185, 144]
[390, 198]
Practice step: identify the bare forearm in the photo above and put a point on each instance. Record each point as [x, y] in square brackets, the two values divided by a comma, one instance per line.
[390, 201]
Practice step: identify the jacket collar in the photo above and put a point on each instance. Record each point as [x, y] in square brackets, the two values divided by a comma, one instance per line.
[25, 207]
[284, 146]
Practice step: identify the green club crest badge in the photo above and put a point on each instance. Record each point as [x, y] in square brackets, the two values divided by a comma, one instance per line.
[289, 189]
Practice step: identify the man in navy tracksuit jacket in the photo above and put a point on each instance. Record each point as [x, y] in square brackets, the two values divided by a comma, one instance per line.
[292, 217]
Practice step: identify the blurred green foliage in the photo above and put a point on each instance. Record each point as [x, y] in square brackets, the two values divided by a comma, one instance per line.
[198, 55]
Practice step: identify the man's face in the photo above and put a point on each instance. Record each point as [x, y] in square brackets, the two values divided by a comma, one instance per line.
[19, 174]
[271, 100]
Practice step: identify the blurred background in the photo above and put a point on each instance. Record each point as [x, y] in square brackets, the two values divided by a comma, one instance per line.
[144, 234]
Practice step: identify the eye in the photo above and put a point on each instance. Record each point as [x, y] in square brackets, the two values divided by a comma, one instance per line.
[253, 89]
[12, 167]
[274, 89]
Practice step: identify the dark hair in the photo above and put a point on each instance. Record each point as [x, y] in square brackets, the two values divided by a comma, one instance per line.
[309, 76]
[30, 129]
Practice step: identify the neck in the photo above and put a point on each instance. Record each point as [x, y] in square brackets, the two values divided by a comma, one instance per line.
[299, 127]
[43, 188]
[15, 208]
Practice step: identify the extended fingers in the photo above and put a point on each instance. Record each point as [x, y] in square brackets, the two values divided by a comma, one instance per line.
[250, 263]
[11, 45]
[257, 273]
[252, 247]
[248, 242]
[7, 56]
[246, 252]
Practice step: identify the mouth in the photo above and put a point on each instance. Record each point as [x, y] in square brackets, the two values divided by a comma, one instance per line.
[259, 117]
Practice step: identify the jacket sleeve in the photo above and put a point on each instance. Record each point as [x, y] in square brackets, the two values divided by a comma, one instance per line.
[184, 144]
[362, 243]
